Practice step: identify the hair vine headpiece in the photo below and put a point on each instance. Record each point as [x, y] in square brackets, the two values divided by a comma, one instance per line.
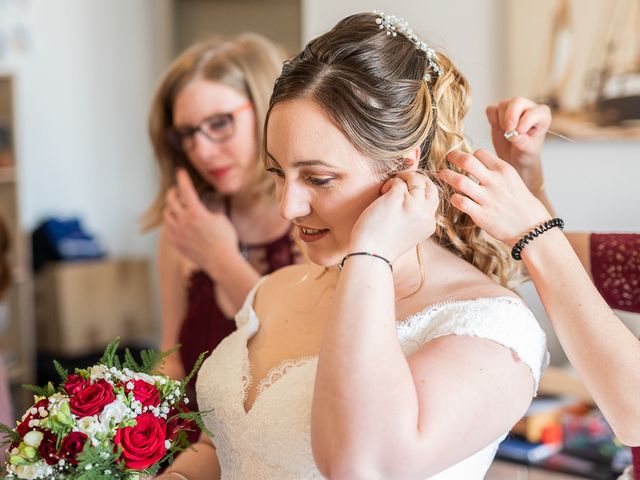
[395, 25]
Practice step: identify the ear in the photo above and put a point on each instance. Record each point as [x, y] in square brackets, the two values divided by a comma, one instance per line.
[412, 159]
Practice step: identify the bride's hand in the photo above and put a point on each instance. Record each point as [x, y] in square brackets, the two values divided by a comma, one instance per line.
[403, 216]
[500, 203]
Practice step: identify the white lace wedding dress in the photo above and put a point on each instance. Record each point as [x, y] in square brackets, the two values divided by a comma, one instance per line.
[273, 439]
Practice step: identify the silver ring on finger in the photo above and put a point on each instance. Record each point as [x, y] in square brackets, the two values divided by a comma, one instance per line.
[416, 187]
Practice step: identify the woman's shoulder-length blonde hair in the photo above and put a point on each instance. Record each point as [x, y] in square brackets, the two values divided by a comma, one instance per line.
[248, 63]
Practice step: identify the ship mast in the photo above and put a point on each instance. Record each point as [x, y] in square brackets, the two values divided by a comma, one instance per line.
[559, 56]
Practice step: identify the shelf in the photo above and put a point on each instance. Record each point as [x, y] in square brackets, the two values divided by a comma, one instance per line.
[17, 340]
[16, 375]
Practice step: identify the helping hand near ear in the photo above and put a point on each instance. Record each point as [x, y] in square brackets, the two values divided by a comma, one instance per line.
[499, 203]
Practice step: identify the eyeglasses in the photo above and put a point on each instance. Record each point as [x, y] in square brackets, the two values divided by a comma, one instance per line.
[217, 128]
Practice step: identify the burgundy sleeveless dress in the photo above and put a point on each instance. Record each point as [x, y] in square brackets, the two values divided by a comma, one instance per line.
[615, 266]
[205, 325]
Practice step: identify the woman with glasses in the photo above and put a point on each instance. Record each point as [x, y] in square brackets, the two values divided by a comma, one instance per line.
[220, 227]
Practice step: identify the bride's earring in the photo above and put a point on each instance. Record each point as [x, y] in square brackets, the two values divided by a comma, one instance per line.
[400, 165]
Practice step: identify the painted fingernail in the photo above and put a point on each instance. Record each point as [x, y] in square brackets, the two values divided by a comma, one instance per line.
[511, 135]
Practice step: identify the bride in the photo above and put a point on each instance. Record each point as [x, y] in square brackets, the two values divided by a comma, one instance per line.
[398, 352]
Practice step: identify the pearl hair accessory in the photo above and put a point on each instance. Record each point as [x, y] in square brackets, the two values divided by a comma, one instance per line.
[395, 25]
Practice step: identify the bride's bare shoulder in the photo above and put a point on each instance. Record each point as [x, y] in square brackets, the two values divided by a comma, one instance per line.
[284, 279]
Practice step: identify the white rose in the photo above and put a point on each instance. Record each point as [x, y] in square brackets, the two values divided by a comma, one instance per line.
[33, 438]
[92, 427]
[32, 471]
[98, 371]
[145, 377]
[116, 411]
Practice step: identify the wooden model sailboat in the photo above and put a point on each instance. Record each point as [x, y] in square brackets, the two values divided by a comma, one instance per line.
[618, 92]
[557, 71]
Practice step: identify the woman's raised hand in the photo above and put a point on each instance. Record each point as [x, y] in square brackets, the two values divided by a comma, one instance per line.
[499, 202]
[403, 216]
[198, 233]
[530, 122]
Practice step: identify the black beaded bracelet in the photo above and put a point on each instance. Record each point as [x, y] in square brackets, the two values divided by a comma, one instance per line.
[539, 230]
[353, 254]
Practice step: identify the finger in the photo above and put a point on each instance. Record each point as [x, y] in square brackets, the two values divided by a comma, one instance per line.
[412, 178]
[502, 108]
[465, 205]
[186, 190]
[391, 183]
[536, 119]
[514, 110]
[493, 117]
[170, 222]
[463, 184]
[173, 202]
[397, 194]
[490, 162]
[418, 184]
[431, 188]
[469, 164]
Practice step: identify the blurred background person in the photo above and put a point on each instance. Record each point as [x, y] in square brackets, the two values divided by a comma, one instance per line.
[220, 226]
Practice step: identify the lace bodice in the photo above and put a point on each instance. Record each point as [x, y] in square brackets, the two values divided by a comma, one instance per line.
[273, 439]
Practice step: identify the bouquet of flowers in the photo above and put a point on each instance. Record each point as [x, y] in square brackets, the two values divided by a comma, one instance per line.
[114, 420]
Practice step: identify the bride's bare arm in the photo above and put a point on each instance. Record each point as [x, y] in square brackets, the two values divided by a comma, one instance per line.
[200, 462]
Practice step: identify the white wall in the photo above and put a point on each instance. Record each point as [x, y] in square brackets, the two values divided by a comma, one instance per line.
[83, 94]
[594, 185]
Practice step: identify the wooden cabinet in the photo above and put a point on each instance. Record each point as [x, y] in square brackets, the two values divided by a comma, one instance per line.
[82, 306]
[17, 338]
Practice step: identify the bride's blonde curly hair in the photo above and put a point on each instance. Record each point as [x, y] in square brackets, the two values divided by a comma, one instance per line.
[380, 91]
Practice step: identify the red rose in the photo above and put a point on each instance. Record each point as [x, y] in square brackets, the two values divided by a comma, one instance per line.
[72, 445]
[147, 394]
[92, 399]
[47, 448]
[75, 383]
[176, 425]
[142, 445]
[24, 427]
